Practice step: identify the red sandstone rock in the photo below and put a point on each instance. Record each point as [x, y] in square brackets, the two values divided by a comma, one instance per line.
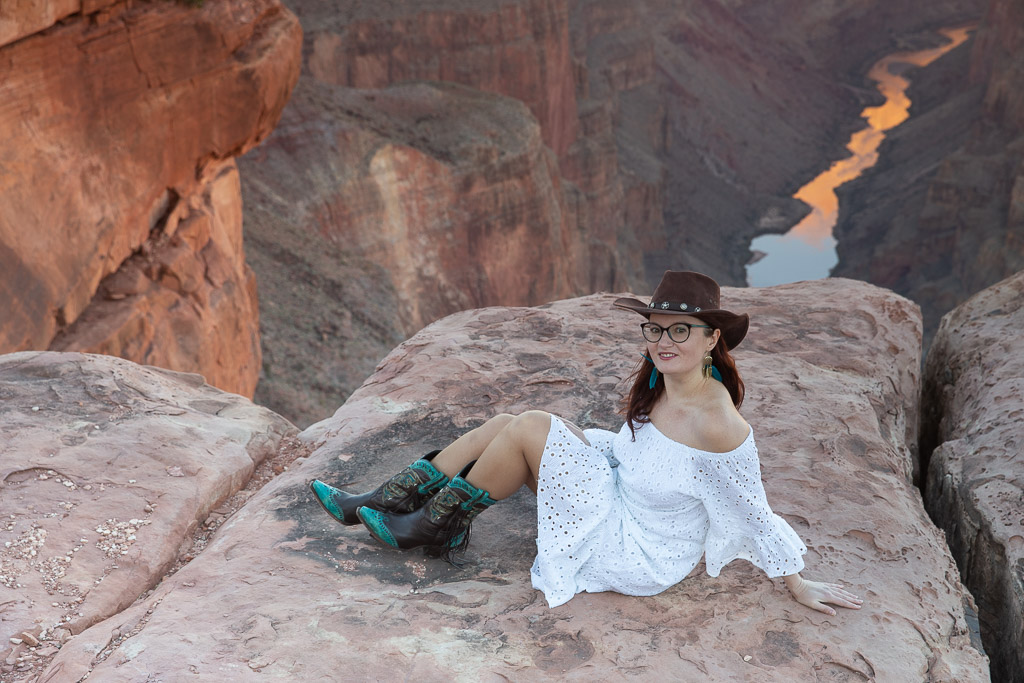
[519, 49]
[974, 402]
[832, 376]
[187, 301]
[516, 48]
[20, 18]
[106, 469]
[438, 197]
[115, 127]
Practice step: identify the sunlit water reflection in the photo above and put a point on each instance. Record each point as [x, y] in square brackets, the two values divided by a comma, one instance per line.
[808, 250]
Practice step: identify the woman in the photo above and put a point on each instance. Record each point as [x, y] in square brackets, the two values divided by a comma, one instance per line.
[631, 512]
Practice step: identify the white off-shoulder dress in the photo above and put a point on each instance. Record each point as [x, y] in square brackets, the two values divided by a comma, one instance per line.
[635, 517]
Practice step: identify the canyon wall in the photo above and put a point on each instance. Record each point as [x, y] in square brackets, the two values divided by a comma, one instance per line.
[282, 590]
[120, 225]
[942, 215]
[363, 234]
[676, 132]
[749, 101]
[971, 441]
[391, 204]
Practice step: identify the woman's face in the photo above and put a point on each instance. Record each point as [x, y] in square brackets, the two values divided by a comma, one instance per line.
[672, 357]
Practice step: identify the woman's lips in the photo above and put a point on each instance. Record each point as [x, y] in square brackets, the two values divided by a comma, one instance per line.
[666, 356]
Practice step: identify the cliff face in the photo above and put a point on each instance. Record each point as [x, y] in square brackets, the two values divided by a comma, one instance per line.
[120, 229]
[722, 110]
[941, 217]
[832, 415]
[425, 200]
[449, 200]
[973, 403]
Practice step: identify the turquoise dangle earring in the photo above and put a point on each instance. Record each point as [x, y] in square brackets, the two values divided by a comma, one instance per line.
[654, 372]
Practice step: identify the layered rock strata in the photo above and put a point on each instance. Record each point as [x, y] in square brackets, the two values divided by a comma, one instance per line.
[831, 371]
[722, 110]
[973, 406]
[106, 469]
[957, 225]
[370, 213]
[120, 228]
[522, 210]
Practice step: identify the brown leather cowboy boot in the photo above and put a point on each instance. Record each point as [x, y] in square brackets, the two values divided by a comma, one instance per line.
[442, 525]
[406, 491]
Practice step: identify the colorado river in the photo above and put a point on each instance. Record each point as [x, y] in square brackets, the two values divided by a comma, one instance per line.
[807, 251]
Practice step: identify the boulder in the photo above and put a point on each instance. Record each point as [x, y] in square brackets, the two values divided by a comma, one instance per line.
[120, 226]
[106, 470]
[972, 410]
[833, 380]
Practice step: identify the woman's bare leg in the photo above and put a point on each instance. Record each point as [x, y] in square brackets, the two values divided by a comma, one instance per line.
[512, 458]
[469, 446]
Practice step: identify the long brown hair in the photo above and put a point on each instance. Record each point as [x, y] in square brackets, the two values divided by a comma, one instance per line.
[641, 398]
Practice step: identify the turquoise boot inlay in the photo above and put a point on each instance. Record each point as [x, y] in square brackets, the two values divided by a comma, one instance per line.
[326, 495]
[376, 523]
[406, 491]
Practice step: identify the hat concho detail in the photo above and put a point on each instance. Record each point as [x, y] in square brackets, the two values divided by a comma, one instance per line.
[664, 304]
[682, 307]
[697, 310]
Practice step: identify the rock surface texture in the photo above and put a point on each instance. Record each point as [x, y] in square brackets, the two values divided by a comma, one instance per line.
[831, 369]
[942, 216]
[120, 225]
[106, 469]
[973, 411]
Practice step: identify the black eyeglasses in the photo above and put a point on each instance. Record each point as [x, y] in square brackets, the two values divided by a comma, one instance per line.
[677, 332]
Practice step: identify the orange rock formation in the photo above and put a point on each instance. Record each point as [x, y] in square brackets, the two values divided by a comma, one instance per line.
[120, 226]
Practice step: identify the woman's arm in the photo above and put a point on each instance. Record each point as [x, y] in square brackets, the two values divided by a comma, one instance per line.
[815, 594]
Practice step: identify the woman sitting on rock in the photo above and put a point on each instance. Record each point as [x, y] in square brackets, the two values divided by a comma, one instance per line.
[631, 512]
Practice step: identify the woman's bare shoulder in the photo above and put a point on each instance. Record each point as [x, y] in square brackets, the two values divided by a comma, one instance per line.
[723, 429]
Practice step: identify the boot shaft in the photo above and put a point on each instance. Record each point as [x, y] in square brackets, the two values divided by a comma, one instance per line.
[459, 499]
[442, 525]
[413, 486]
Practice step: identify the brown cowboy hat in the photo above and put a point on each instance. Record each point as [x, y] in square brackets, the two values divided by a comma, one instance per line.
[689, 293]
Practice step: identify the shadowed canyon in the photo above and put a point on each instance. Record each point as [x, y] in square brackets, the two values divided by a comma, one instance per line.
[384, 222]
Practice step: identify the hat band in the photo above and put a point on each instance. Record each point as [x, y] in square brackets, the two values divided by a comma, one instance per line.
[672, 306]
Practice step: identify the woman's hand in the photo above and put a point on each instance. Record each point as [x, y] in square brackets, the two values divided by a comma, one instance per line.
[815, 594]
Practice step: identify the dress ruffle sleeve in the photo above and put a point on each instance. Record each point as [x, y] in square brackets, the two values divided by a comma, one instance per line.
[741, 524]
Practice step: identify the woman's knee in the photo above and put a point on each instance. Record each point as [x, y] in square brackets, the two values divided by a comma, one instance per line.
[531, 425]
[501, 420]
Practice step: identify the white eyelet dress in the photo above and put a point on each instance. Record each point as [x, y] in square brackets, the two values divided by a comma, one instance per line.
[635, 516]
